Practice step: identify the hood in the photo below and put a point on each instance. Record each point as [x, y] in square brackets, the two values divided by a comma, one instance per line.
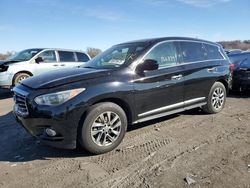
[62, 77]
[8, 62]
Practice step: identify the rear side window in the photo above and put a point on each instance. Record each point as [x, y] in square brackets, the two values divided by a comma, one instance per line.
[192, 51]
[165, 54]
[48, 56]
[213, 52]
[65, 56]
[82, 57]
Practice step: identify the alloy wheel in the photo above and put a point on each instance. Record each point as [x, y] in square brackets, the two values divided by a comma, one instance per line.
[106, 128]
[218, 98]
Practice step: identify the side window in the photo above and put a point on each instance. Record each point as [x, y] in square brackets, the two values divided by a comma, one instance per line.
[213, 52]
[165, 54]
[65, 56]
[82, 57]
[48, 56]
[192, 51]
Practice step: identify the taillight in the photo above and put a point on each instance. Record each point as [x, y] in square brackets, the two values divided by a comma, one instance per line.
[231, 67]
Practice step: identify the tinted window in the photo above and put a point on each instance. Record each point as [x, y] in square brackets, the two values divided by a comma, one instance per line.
[66, 56]
[192, 51]
[164, 54]
[213, 52]
[82, 57]
[48, 56]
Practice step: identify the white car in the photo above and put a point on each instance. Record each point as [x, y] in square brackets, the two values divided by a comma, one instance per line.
[35, 61]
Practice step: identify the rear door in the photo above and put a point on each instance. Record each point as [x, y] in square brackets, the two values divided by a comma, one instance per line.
[160, 91]
[67, 59]
[200, 62]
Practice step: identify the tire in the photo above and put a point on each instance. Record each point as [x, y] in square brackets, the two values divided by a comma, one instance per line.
[19, 77]
[216, 99]
[103, 128]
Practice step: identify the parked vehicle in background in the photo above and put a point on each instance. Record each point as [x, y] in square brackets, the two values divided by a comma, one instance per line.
[233, 51]
[129, 83]
[36, 61]
[241, 73]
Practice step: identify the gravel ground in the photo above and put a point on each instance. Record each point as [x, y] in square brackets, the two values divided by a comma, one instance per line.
[203, 150]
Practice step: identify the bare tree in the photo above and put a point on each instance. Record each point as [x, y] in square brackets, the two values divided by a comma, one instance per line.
[93, 51]
[237, 44]
[4, 56]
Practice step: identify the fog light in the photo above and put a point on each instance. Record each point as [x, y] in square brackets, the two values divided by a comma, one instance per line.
[50, 132]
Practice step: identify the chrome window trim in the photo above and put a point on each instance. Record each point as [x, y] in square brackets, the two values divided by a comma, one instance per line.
[161, 109]
[139, 61]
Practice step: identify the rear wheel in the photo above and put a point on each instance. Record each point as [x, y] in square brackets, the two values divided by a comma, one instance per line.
[216, 99]
[103, 129]
[20, 77]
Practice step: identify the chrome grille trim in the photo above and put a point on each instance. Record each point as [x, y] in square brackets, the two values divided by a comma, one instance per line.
[20, 104]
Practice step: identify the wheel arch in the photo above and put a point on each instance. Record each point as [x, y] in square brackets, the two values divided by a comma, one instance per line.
[24, 71]
[123, 104]
[225, 83]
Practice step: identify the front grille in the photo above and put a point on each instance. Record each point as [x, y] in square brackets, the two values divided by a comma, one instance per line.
[20, 104]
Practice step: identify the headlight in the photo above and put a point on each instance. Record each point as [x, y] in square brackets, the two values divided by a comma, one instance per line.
[57, 98]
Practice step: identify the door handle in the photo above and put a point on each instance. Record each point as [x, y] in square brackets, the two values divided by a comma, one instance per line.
[55, 65]
[176, 77]
[211, 69]
[62, 65]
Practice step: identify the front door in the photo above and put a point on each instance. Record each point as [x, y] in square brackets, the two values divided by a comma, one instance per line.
[49, 62]
[160, 91]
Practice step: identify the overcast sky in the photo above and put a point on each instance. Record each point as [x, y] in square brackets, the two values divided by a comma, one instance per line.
[77, 24]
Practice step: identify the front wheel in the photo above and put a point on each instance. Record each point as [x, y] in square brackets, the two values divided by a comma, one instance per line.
[103, 129]
[20, 77]
[216, 99]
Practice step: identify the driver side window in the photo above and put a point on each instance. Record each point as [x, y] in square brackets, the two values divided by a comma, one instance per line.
[165, 54]
[48, 56]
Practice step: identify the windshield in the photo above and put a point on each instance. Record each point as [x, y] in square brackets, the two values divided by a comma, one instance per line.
[117, 56]
[24, 55]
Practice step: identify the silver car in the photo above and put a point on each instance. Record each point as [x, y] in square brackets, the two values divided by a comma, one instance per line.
[35, 61]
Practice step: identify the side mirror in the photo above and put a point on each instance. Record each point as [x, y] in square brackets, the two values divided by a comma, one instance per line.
[39, 59]
[147, 65]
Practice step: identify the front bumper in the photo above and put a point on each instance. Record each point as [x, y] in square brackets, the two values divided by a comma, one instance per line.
[5, 79]
[63, 119]
[66, 131]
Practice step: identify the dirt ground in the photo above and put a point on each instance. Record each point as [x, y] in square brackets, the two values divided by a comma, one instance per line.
[212, 150]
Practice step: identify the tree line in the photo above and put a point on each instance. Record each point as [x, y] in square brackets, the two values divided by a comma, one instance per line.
[237, 44]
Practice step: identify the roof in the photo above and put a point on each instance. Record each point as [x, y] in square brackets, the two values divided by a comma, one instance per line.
[156, 40]
[61, 49]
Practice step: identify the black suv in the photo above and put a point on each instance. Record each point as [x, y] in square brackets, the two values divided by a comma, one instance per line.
[127, 84]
